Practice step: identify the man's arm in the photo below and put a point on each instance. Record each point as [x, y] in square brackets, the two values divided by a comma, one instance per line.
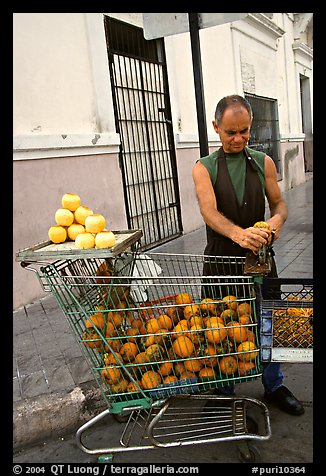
[250, 238]
[277, 205]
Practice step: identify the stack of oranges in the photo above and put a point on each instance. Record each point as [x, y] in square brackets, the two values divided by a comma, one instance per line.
[142, 349]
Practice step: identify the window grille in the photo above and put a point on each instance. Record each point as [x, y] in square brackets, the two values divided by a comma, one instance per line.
[265, 127]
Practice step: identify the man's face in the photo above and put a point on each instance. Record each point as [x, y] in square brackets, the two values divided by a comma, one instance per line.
[234, 129]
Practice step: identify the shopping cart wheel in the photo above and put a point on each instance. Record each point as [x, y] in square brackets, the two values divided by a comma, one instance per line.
[121, 417]
[247, 452]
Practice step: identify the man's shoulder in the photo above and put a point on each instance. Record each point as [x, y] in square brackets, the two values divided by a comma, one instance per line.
[256, 154]
[210, 158]
[210, 163]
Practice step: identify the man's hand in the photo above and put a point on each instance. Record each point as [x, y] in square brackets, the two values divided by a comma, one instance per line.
[252, 238]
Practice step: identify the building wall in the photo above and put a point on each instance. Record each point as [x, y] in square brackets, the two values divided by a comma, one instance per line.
[64, 130]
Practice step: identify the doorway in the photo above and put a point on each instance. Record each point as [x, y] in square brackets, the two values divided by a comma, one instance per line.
[306, 123]
[142, 112]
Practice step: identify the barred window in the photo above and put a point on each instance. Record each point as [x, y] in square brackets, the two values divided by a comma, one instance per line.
[265, 127]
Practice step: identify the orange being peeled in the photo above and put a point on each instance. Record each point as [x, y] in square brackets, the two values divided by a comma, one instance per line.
[262, 224]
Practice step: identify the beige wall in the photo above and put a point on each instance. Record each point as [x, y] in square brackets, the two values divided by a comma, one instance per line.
[292, 164]
[64, 130]
[38, 186]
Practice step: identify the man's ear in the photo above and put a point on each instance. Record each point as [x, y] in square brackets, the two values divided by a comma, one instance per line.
[215, 127]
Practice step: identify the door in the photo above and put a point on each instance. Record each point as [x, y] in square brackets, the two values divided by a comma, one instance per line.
[306, 123]
[143, 119]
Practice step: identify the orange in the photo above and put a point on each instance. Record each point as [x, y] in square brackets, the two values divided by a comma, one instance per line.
[120, 386]
[245, 319]
[212, 321]
[207, 306]
[166, 368]
[196, 334]
[150, 379]
[115, 345]
[193, 365]
[262, 224]
[250, 350]
[116, 317]
[170, 379]
[183, 347]
[155, 352]
[140, 359]
[162, 337]
[181, 328]
[129, 351]
[206, 372]
[191, 310]
[187, 374]
[251, 336]
[228, 365]
[111, 374]
[228, 315]
[244, 308]
[110, 359]
[170, 353]
[175, 313]
[110, 330]
[230, 302]
[237, 332]
[92, 339]
[217, 334]
[145, 314]
[134, 386]
[210, 353]
[165, 322]
[183, 298]
[224, 347]
[132, 333]
[196, 321]
[152, 325]
[96, 320]
[244, 367]
[148, 340]
[137, 324]
[179, 368]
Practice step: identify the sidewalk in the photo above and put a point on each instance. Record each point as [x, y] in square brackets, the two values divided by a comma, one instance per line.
[53, 389]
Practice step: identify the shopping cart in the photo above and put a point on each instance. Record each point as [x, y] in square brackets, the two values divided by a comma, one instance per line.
[161, 332]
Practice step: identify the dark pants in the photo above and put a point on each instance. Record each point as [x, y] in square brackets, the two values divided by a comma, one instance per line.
[272, 376]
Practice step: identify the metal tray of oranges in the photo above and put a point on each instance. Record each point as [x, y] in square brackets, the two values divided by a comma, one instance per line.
[287, 321]
[48, 251]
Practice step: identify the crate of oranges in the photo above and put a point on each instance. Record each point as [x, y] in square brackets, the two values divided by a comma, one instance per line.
[287, 320]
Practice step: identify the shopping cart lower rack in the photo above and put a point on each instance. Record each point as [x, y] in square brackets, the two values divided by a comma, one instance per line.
[160, 333]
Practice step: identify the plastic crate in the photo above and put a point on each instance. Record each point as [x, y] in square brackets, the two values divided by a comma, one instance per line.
[286, 333]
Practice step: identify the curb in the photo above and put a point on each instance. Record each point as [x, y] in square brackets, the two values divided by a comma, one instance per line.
[53, 415]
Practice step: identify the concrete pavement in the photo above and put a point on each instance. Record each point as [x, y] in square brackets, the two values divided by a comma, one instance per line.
[54, 391]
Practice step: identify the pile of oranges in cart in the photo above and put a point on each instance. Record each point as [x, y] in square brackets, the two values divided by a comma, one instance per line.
[146, 348]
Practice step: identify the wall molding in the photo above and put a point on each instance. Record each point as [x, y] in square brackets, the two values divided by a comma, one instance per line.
[44, 146]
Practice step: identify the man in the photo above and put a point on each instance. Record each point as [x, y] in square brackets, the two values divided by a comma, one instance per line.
[231, 185]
